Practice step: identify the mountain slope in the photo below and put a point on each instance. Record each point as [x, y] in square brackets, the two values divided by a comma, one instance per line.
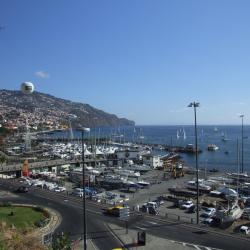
[46, 110]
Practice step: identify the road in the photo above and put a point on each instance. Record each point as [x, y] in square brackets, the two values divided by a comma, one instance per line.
[71, 211]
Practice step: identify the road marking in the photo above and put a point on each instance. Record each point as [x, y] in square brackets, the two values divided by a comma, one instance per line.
[151, 222]
[94, 246]
[142, 228]
[197, 247]
[113, 234]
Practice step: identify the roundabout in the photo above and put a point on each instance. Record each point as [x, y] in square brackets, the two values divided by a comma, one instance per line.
[23, 218]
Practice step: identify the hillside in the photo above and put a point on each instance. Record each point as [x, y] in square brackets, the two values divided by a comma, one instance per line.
[46, 111]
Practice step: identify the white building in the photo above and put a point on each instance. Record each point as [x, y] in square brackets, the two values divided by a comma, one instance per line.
[153, 161]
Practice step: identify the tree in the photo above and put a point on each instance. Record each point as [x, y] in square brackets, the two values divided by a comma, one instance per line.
[3, 159]
[61, 242]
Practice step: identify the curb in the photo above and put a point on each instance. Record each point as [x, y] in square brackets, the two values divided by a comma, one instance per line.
[185, 224]
[116, 236]
[55, 220]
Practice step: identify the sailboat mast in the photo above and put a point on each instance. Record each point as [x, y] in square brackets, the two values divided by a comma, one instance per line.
[238, 164]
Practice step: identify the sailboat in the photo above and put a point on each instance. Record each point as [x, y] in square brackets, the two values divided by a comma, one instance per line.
[234, 211]
[177, 134]
[224, 137]
[184, 134]
[215, 129]
[202, 133]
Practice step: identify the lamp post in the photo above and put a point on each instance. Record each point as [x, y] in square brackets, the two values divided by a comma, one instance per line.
[242, 138]
[83, 184]
[196, 105]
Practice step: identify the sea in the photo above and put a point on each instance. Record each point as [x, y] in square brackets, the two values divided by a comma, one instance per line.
[227, 158]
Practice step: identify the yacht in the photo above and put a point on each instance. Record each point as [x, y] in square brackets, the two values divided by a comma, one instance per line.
[128, 173]
[138, 168]
[229, 214]
[202, 187]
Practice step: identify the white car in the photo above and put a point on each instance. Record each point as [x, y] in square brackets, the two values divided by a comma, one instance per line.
[187, 205]
[208, 221]
[208, 212]
[60, 189]
[244, 229]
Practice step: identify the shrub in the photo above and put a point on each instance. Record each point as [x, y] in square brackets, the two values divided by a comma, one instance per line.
[6, 204]
[38, 209]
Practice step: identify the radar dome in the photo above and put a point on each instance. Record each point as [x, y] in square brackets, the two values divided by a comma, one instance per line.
[27, 87]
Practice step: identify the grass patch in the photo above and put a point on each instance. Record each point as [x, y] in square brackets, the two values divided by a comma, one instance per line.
[22, 218]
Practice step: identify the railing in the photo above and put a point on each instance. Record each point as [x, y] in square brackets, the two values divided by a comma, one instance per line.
[18, 166]
[4, 168]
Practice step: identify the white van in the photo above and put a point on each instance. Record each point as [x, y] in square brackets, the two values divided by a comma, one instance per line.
[78, 192]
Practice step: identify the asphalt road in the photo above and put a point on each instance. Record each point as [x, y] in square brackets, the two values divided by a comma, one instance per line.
[187, 233]
[71, 211]
[72, 220]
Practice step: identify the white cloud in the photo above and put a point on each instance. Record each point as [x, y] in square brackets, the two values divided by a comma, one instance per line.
[239, 103]
[42, 74]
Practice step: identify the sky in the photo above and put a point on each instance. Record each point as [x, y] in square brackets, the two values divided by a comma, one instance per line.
[145, 60]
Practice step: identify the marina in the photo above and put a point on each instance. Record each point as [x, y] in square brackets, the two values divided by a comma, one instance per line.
[136, 171]
[126, 168]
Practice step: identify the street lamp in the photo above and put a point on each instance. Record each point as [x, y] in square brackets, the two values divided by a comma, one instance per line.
[242, 138]
[196, 105]
[83, 130]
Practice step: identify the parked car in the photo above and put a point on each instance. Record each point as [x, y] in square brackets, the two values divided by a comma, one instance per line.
[153, 211]
[244, 229]
[78, 192]
[208, 221]
[59, 189]
[193, 209]
[208, 212]
[153, 204]
[22, 189]
[159, 201]
[187, 205]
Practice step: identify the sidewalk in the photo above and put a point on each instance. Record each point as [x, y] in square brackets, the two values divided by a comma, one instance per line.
[90, 245]
[152, 242]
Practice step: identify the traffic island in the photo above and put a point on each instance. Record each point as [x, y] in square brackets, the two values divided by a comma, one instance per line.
[26, 224]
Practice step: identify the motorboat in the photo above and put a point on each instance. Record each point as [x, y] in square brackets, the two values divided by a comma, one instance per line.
[212, 147]
[229, 214]
[202, 187]
[143, 183]
[128, 173]
[138, 168]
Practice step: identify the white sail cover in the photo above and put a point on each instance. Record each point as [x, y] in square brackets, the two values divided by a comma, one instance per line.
[98, 152]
